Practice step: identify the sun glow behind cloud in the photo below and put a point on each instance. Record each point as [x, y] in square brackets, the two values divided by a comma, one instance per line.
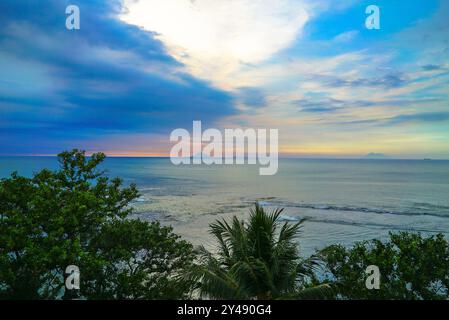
[215, 38]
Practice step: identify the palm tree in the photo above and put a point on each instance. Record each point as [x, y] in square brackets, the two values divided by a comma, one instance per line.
[256, 260]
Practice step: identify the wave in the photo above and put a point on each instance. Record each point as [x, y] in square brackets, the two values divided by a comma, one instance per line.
[359, 224]
[288, 218]
[140, 199]
[349, 208]
[375, 225]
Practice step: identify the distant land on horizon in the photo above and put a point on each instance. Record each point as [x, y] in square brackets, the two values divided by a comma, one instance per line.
[374, 155]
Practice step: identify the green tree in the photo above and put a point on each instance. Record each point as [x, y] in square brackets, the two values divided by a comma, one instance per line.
[411, 267]
[259, 260]
[78, 216]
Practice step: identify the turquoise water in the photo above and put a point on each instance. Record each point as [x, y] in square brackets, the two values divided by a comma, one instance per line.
[343, 200]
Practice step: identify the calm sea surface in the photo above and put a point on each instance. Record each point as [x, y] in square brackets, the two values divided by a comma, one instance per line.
[344, 200]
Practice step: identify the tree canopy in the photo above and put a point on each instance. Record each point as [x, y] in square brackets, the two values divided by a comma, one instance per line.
[78, 216]
[412, 267]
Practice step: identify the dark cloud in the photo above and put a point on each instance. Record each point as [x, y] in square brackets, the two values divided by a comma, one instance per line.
[108, 77]
[327, 104]
[251, 96]
[423, 117]
[431, 67]
[419, 117]
[319, 105]
[390, 80]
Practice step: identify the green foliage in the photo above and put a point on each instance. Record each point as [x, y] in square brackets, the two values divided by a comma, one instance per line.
[411, 267]
[255, 260]
[77, 215]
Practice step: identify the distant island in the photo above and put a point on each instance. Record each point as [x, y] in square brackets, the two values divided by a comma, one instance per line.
[374, 155]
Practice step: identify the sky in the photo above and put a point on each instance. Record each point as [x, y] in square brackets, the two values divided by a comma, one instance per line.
[138, 69]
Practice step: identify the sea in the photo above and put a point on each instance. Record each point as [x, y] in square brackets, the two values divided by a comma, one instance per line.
[343, 200]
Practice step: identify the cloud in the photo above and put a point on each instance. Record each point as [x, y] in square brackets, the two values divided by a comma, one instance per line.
[328, 104]
[346, 36]
[214, 37]
[125, 79]
[413, 118]
[431, 67]
[250, 96]
[62, 88]
[389, 80]
[419, 117]
[319, 105]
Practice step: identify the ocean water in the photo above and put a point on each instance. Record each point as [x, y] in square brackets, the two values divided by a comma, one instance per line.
[344, 201]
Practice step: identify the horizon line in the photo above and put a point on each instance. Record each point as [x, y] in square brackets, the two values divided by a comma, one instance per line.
[280, 157]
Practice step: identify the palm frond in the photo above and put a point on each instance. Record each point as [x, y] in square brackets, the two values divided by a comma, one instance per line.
[259, 259]
[319, 292]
